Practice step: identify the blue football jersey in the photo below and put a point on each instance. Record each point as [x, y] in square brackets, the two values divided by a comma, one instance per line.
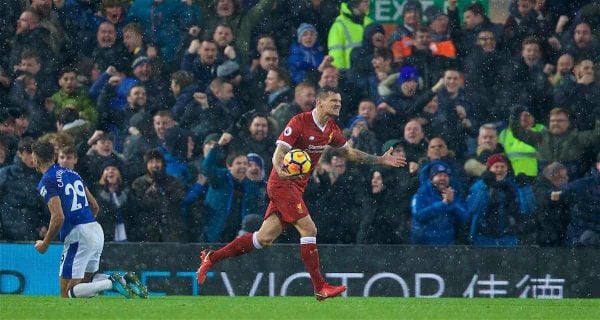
[68, 185]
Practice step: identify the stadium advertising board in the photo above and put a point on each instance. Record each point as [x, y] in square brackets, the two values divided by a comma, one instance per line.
[396, 271]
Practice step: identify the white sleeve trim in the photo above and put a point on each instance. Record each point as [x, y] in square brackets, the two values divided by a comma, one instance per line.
[281, 142]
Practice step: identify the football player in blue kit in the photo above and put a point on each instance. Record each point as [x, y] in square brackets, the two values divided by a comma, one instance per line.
[73, 211]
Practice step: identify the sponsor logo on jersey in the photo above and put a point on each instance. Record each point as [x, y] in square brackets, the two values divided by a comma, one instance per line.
[311, 138]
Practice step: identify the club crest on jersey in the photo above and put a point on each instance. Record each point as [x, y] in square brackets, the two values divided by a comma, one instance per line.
[43, 191]
[287, 132]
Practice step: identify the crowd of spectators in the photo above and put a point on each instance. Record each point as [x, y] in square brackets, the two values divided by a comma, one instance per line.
[170, 111]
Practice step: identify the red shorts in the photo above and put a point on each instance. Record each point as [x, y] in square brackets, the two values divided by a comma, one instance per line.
[285, 201]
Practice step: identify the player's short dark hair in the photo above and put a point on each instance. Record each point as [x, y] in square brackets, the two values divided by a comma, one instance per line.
[44, 151]
[323, 92]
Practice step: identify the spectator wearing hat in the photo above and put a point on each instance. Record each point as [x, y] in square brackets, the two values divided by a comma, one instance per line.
[115, 200]
[256, 173]
[22, 216]
[230, 197]
[437, 150]
[69, 121]
[305, 55]
[230, 70]
[360, 135]
[346, 32]
[401, 100]
[561, 142]
[501, 210]
[412, 12]
[158, 197]
[382, 220]
[437, 209]
[361, 57]
[523, 157]
[201, 60]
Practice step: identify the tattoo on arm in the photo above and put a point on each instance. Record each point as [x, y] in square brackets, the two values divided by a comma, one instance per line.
[360, 156]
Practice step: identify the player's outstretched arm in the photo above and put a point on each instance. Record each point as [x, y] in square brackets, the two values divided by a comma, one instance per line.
[57, 218]
[387, 158]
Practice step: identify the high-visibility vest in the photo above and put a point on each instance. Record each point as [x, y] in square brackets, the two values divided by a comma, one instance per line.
[522, 156]
[345, 35]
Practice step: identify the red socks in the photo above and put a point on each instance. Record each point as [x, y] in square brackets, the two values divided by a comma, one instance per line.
[310, 257]
[240, 245]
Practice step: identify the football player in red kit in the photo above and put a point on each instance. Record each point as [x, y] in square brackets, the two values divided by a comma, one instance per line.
[311, 131]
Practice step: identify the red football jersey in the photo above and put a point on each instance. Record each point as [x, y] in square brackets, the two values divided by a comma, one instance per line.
[304, 132]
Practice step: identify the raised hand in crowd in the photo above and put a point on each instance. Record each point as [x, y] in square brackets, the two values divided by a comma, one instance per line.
[202, 99]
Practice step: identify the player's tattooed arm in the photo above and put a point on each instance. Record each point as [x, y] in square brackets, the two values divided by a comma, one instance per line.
[388, 158]
[278, 155]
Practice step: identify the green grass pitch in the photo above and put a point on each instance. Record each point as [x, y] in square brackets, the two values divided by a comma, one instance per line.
[205, 307]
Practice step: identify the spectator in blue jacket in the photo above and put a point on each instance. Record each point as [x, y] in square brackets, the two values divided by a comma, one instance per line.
[231, 196]
[437, 209]
[306, 55]
[497, 219]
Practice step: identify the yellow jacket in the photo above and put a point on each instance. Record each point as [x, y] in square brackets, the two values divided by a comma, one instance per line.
[345, 35]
